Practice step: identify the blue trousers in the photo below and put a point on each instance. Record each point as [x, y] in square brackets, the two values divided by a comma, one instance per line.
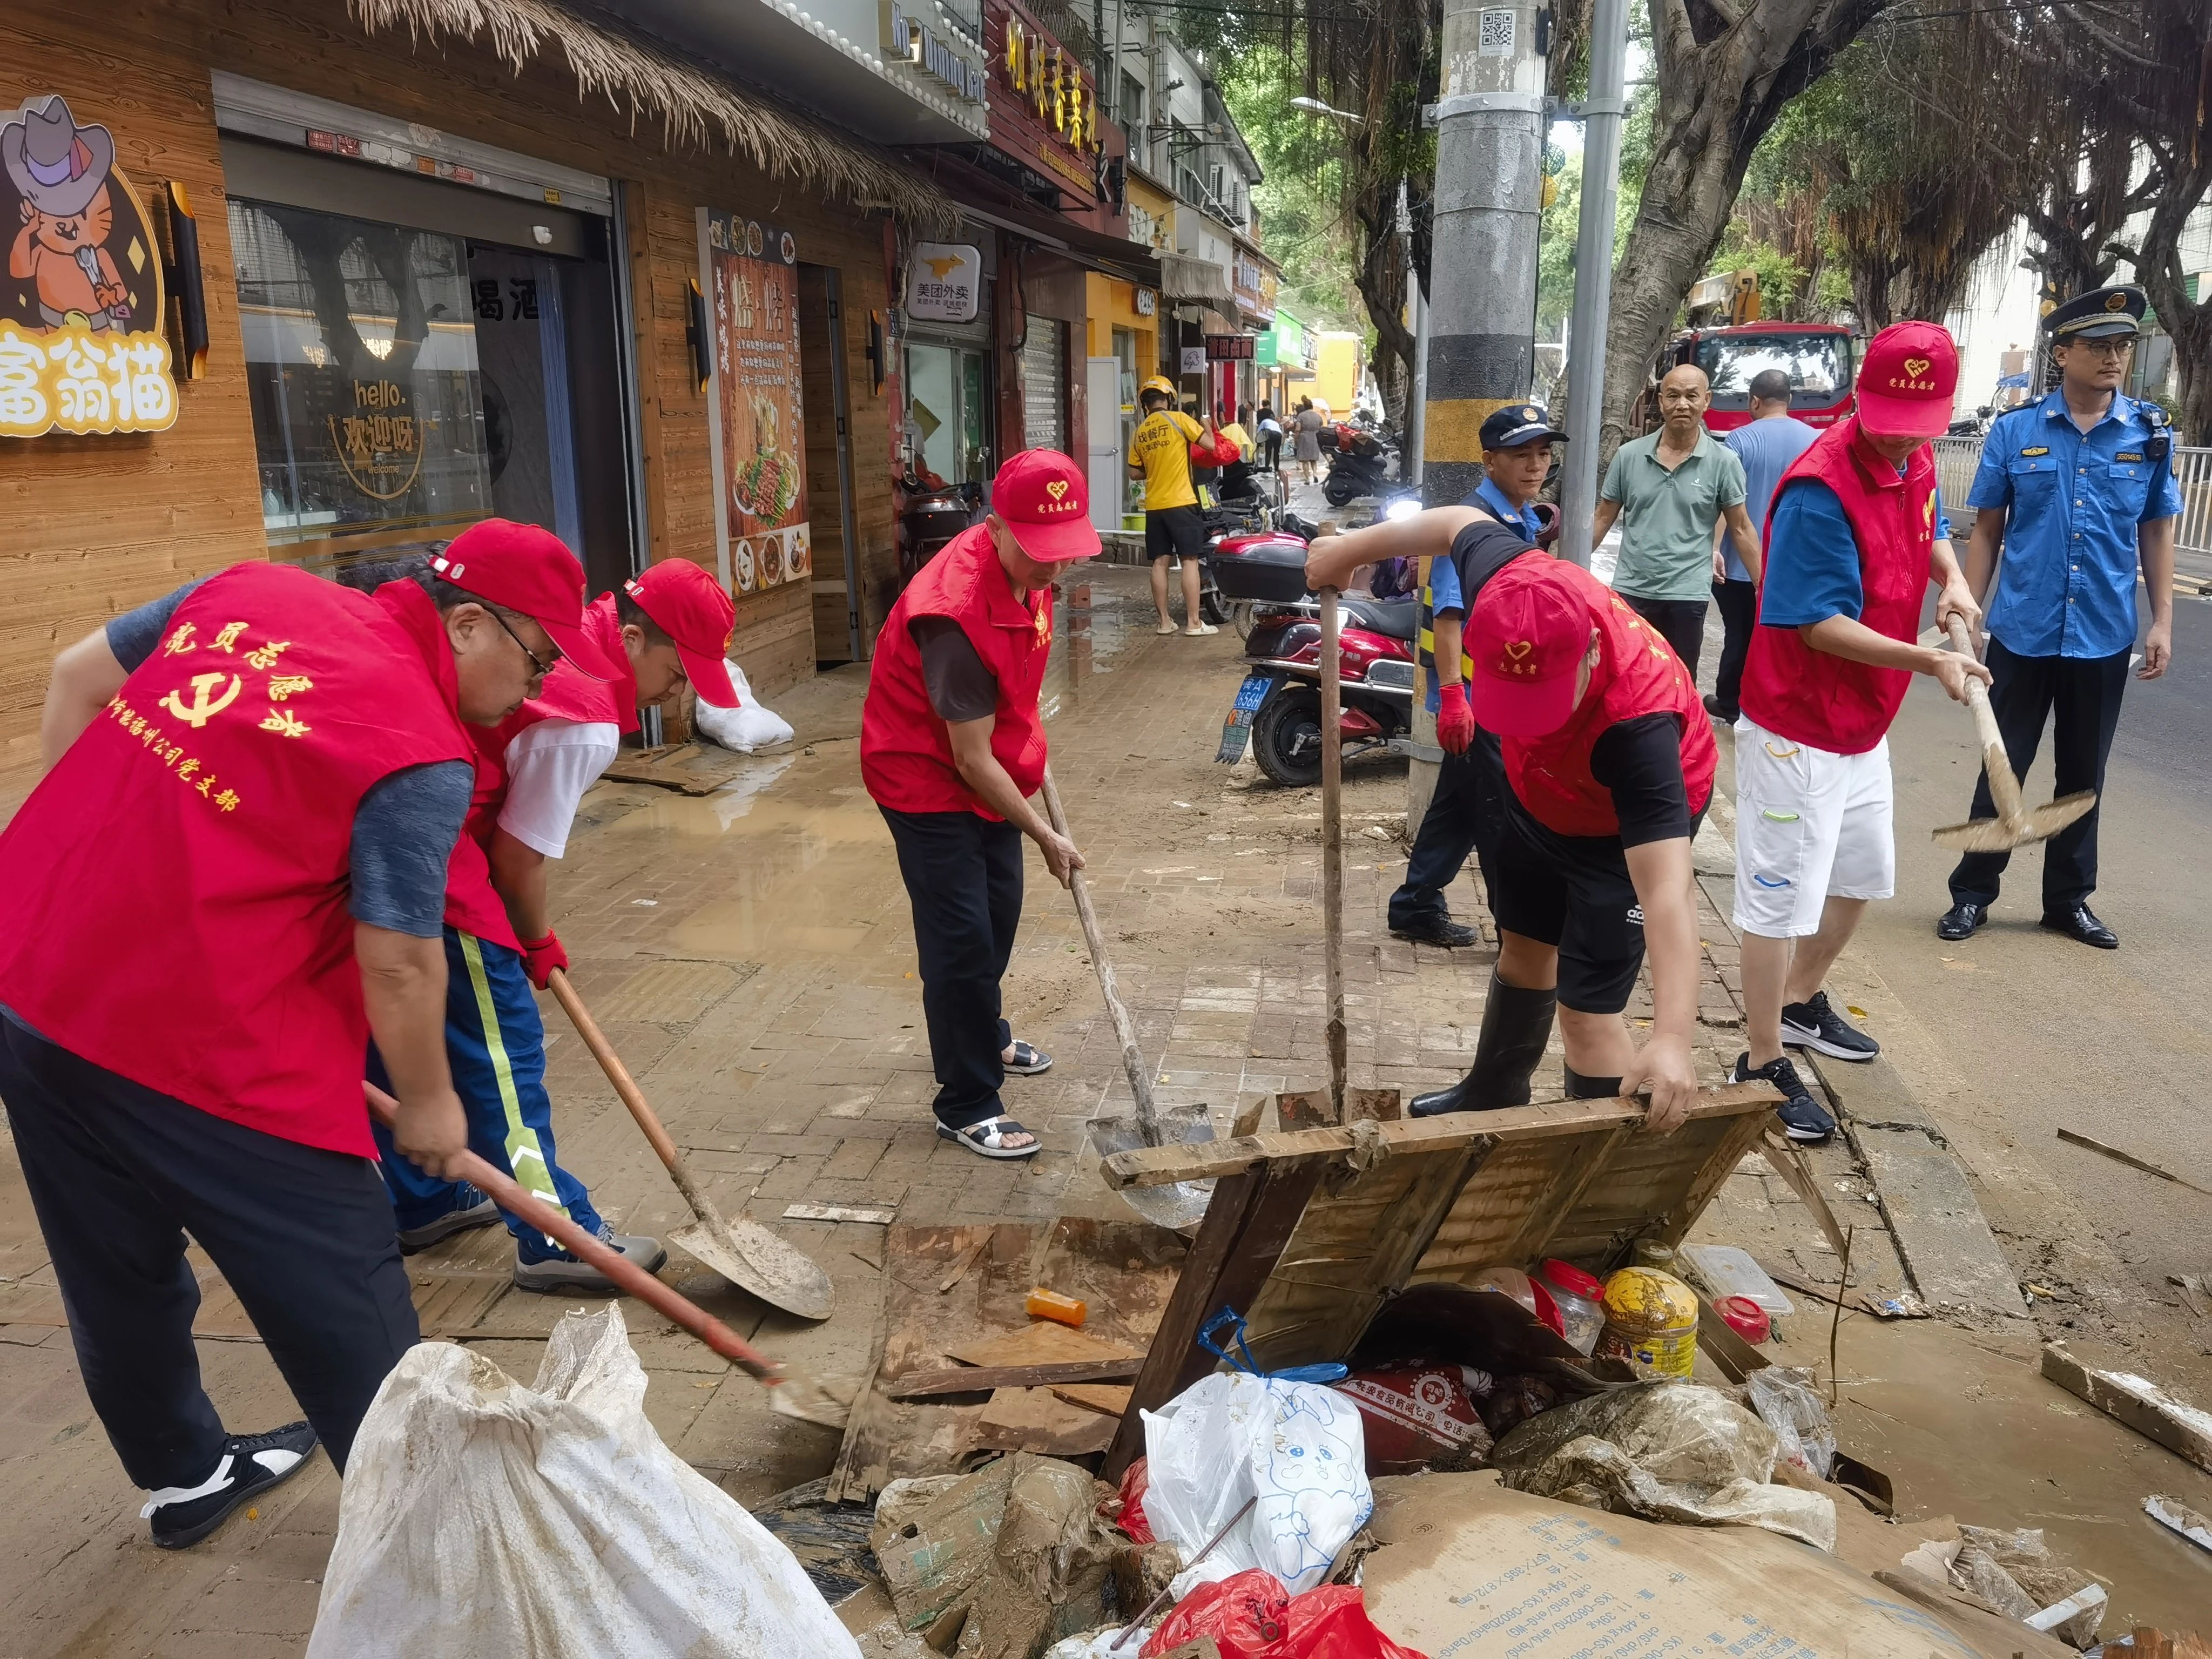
[495, 1043]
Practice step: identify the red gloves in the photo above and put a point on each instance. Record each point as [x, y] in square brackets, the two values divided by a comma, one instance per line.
[541, 957]
[1454, 719]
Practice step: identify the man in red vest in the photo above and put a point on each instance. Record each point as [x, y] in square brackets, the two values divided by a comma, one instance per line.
[230, 880]
[1609, 759]
[1854, 537]
[951, 748]
[668, 627]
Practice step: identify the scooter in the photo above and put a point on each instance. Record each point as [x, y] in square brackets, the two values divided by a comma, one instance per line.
[931, 516]
[1360, 465]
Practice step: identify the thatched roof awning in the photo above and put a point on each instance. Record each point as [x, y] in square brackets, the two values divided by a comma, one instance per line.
[695, 105]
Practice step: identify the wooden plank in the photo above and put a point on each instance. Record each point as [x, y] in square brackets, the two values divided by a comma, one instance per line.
[1573, 1180]
[2137, 1401]
[1041, 1342]
[982, 1379]
[1038, 1421]
[1109, 1399]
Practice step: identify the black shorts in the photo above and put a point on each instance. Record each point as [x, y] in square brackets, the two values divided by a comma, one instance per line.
[1574, 893]
[1175, 533]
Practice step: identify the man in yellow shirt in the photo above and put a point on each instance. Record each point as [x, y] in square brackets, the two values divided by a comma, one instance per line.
[1159, 453]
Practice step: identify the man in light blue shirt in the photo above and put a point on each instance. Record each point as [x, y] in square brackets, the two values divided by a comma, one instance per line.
[2078, 489]
[1768, 446]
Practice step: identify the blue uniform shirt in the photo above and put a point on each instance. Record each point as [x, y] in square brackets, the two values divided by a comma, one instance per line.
[1445, 597]
[1813, 570]
[2066, 585]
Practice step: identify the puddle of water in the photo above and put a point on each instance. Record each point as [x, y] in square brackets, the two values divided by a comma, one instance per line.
[1095, 620]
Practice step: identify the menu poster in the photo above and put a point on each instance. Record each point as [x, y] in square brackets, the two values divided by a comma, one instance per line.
[751, 285]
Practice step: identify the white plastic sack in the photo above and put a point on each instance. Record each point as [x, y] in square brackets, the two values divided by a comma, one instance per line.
[748, 726]
[483, 1520]
[1298, 1447]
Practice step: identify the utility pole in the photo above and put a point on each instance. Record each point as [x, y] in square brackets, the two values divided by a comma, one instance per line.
[1601, 116]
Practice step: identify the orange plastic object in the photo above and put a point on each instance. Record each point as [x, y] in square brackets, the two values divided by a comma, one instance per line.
[1051, 1305]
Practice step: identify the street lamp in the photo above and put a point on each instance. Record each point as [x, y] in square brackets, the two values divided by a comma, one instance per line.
[1314, 106]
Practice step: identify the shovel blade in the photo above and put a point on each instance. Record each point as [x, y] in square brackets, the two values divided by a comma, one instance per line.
[757, 1262]
[2002, 834]
[1181, 1205]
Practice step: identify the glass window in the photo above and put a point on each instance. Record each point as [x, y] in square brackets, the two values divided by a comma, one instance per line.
[947, 414]
[1819, 367]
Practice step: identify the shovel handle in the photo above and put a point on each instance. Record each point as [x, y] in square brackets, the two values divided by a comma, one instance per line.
[664, 1144]
[1125, 1031]
[627, 1276]
[2004, 786]
[1332, 843]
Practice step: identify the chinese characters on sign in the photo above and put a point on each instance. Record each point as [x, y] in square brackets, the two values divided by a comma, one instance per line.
[376, 442]
[81, 316]
[205, 687]
[1044, 106]
[943, 282]
[751, 272]
[908, 38]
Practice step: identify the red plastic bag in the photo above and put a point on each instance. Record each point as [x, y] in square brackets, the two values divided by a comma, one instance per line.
[1250, 1615]
[1132, 1520]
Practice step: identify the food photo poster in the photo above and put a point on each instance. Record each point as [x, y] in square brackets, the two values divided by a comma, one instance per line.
[760, 445]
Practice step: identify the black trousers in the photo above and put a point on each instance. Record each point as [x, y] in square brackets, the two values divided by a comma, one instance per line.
[1680, 623]
[1467, 814]
[118, 1174]
[1738, 603]
[2080, 697]
[963, 877]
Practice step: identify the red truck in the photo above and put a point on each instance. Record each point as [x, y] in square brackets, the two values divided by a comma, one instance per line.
[1726, 340]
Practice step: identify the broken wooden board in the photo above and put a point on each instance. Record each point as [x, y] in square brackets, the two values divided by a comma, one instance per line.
[1038, 1421]
[1041, 1342]
[982, 1379]
[694, 768]
[2149, 1410]
[1108, 1399]
[1126, 1270]
[1311, 1232]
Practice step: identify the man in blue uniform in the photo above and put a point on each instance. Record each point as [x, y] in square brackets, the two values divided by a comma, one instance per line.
[1467, 812]
[2078, 489]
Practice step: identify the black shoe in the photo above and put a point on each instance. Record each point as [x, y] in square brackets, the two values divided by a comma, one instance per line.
[1720, 711]
[1961, 920]
[1817, 1026]
[1516, 1023]
[471, 1209]
[1804, 1117]
[251, 1463]
[1437, 930]
[2081, 922]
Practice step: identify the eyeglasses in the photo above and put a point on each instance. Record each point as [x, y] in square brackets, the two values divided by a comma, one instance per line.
[538, 670]
[2112, 345]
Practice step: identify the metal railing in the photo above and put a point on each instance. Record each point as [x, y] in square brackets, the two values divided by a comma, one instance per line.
[1956, 459]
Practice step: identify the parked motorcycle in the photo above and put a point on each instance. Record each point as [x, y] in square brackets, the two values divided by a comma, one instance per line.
[1359, 463]
[931, 514]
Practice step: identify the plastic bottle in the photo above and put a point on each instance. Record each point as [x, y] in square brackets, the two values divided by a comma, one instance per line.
[1580, 1299]
[1511, 1281]
[1051, 1305]
[1650, 1252]
[1651, 1322]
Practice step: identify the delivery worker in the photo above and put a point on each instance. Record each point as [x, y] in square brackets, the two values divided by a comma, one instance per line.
[1163, 449]
[951, 748]
[669, 626]
[1608, 759]
[230, 880]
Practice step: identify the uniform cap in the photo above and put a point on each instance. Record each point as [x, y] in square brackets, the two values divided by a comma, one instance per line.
[690, 607]
[530, 570]
[1040, 495]
[1518, 424]
[1907, 381]
[2099, 314]
[1158, 383]
[1527, 636]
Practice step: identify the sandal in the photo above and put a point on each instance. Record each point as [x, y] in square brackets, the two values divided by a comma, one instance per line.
[1027, 1061]
[988, 1138]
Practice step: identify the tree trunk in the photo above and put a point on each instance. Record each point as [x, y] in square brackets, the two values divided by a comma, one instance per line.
[2189, 325]
[1383, 286]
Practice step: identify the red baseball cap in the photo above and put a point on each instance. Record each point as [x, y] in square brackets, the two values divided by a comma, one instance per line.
[1527, 633]
[1041, 495]
[1907, 381]
[527, 569]
[689, 605]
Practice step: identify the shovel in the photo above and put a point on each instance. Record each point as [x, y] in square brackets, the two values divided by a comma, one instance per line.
[743, 1251]
[2014, 825]
[1182, 1203]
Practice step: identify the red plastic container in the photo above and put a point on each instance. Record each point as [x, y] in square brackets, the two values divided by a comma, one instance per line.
[1744, 1317]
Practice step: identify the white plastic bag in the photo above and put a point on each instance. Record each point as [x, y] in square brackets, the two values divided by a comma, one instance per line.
[748, 726]
[481, 1518]
[1298, 1447]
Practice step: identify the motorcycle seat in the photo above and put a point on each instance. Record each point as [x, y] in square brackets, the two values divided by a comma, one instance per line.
[1395, 619]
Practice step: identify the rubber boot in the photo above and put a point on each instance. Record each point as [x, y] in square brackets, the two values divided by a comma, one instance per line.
[1590, 1088]
[1516, 1025]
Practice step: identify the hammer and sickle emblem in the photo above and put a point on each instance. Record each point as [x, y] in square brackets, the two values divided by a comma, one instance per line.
[204, 706]
[1916, 366]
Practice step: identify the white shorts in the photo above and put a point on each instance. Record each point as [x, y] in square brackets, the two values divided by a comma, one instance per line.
[1810, 824]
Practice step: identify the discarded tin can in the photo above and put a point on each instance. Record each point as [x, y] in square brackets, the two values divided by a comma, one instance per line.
[1650, 1323]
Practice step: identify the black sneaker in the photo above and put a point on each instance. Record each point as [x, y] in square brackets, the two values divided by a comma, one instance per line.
[1804, 1117]
[1437, 930]
[1817, 1026]
[251, 1463]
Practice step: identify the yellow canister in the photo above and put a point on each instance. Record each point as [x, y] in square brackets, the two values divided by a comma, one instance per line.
[1651, 1322]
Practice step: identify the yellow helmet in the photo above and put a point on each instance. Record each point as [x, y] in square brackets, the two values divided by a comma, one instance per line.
[1158, 383]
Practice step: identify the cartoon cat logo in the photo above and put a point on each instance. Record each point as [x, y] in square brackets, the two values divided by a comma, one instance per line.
[74, 208]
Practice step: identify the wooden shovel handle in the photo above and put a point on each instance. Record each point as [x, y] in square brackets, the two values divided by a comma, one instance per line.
[663, 1145]
[2004, 786]
[1332, 844]
[633, 1280]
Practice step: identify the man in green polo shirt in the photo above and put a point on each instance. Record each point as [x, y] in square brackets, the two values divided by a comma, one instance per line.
[1669, 488]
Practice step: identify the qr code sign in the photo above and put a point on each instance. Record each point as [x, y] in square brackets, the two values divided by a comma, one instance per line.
[1497, 38]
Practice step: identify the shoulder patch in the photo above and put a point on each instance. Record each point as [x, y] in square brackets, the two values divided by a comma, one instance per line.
[2039, 449]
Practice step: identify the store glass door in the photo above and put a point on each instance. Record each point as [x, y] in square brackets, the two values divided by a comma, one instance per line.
[948, 412]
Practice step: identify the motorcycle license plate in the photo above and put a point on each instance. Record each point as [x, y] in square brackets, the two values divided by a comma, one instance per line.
[1236, 730]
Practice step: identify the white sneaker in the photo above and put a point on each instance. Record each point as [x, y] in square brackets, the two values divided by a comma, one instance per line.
[1201, 630]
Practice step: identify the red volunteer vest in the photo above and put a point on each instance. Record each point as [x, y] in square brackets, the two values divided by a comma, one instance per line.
[1637, 673]
[906, 752]
[172, 896]
[1829, 702]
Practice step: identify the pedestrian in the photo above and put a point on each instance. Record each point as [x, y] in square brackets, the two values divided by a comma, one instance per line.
[951, 747]
[667, 628]
[2061, 621]
[1305, 426]
[1466, 811]
[1610, 763]
[1768, 444]
[1163, 450]
[1855, 535]
[1670, 488]
[1271, 439]
[230, 880]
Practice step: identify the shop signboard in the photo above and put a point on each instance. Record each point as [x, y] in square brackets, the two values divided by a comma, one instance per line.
[908, 38]
[1194, 360]
[943, 282]
[1246, 282]
[81, 313]
[1044, 104]
[750, 273]
[1230, 348]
